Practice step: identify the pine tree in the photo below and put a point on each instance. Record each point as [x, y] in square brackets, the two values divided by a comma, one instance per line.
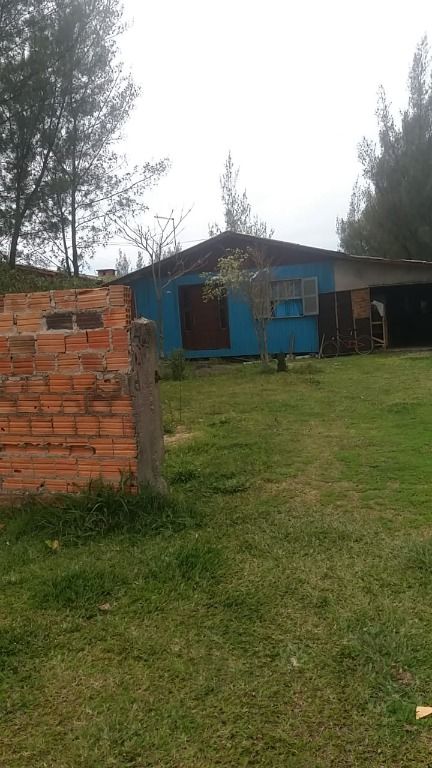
[238, 216]
[390, 214]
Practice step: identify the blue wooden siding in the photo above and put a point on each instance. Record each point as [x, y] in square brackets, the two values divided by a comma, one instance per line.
[242, 333]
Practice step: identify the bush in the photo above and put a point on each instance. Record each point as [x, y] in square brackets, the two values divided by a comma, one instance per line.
[177, 362]
[25, 280]
[99, 511]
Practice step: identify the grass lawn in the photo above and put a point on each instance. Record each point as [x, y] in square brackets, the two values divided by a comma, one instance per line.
[276, 613]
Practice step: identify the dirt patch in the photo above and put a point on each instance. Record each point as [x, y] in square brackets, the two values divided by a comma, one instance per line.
[181, 436]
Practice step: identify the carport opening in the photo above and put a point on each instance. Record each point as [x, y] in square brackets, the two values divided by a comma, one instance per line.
[408, 314]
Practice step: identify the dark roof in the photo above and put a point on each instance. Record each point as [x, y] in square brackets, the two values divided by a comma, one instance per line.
[205, 255]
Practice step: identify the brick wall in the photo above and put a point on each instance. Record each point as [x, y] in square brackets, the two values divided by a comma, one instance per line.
[78, 398]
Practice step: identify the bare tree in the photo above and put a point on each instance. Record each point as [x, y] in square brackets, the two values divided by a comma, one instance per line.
[159, 243]
[246, 274]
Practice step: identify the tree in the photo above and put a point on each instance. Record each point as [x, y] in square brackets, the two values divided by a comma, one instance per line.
[390, 213]
[32, 102]
[123, 264]
[238, 216]
[88, 179]
[248, 276]
[64, 99]
[158, 243]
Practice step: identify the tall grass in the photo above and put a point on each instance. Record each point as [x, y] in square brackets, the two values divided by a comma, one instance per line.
[100, 510]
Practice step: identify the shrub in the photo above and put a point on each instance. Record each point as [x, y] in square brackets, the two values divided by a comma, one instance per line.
[177, 364]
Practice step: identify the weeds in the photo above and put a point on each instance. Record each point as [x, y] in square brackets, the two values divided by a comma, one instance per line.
[177, 363]
[100, 511]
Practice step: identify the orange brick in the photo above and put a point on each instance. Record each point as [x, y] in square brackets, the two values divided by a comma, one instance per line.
[51, 403]
[62, 467]
[111, 426]
[28, 322]
[76, 342]
[100, 405]
[4, 425]
[125, 448]
[119, 295]
[22, 366]
[8, 406]
[6, 466]
[39, 301]
[20, 344]
[7, 322]
[116, 361]
[120, 340]
[15, 301]
[129, 426]
[99, 339]
[73, 404]
[15, 442]
[80, 448]
[116, 318]
[92, 362]
[19, 425]
[45, 363]
[121, 405]
[64, 425]
[14, 386]
[60, 383]
[23, 464]
[110, 387]
[87, 425]
[103, 446]
[54, 485]
[41, 425]
[3, 345]
[51, 342]
[64, 299]
[5, 365]
[84, 381]
[93, 298]
[69, 362]
[28, 404]
[19, 483]
[37, 386]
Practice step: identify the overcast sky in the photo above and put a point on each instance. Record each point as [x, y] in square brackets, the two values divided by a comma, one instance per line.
[289, 87]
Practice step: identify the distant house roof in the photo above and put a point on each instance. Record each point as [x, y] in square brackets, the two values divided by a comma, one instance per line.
[49, 273]
[205, 255]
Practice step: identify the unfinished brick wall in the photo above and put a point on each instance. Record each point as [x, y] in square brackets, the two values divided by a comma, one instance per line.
[78, 398]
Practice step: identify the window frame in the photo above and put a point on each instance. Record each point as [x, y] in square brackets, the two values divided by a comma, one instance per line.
[307, 292]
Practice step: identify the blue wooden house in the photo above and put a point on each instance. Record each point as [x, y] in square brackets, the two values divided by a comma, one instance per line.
[314, 293]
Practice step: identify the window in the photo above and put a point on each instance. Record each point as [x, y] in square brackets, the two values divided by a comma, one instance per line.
[294, 298]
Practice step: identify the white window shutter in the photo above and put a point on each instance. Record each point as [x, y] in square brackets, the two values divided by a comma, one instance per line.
[310, 296]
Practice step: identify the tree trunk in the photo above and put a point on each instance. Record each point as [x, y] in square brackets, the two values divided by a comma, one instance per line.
[65, 245]
[261, 332]
[16, 227]
[75, 256]
[160, 323]
[14, 243]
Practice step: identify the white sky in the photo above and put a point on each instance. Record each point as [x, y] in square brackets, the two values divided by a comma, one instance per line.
[289, 87]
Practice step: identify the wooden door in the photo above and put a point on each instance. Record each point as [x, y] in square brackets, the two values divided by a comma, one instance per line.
[204, 323]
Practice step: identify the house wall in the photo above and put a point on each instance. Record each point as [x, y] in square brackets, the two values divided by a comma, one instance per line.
[78, 396]
[350, 274]
[242, 334]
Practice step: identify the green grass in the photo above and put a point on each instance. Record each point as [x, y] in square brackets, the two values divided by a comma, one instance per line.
[274, 611]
